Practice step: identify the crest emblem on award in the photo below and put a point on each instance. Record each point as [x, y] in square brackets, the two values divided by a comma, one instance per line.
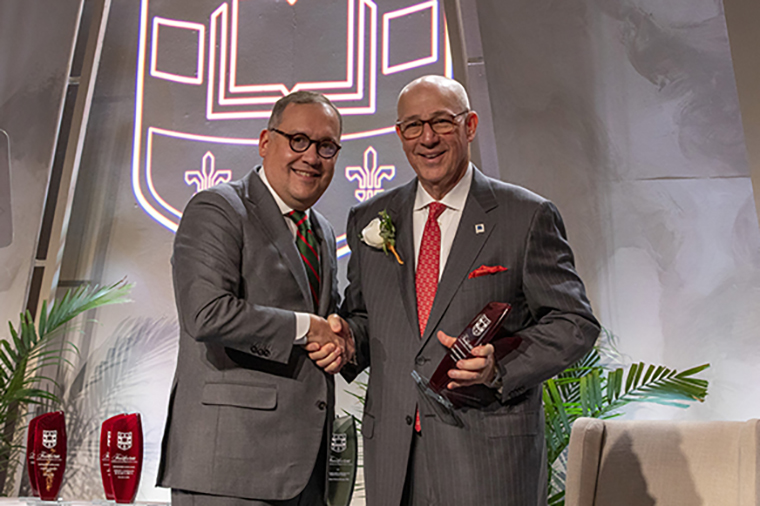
[124, 441]
[49, 438]
[210, 71]
[338, 444]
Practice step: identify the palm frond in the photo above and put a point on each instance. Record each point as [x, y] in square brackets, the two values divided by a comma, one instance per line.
[590, 389]
[31, 349]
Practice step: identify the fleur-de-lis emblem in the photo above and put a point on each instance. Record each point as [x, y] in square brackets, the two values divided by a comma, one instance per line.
[370, 176]
[208, 176]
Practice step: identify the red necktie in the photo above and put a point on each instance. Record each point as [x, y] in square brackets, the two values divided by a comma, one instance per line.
[428, 265]
[426, 277]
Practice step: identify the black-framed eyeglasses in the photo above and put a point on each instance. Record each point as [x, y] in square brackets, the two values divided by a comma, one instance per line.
[440, 125]
[301, 142]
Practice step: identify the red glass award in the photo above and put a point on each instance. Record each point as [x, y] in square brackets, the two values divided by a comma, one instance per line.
[30, 456]
[126, 452]
[481, 330]
[49, 454]
[105, 456]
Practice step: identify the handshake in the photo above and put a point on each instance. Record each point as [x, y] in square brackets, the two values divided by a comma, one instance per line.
[330, 343]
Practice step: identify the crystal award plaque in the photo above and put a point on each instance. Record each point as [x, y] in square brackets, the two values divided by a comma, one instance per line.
[481, 330]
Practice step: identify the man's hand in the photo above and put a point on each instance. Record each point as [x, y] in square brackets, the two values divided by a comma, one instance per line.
[481, 369]
[329, 343]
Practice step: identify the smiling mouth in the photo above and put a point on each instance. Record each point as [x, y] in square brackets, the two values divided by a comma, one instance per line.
[431, 156]
[303, 173]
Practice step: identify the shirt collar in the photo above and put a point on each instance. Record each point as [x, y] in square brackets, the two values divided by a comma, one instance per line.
[455, 199]
[281, 205]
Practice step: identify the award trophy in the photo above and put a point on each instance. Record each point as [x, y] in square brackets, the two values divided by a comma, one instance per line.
[481, 330]
[126, 452]
[30, 456]
[342, 467]
[49, 454]
[105, 456]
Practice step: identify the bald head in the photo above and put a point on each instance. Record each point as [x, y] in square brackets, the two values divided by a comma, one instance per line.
[450, 90]
[436, 126]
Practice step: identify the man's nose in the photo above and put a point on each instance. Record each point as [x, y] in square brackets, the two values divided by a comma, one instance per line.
[311, 156]
[429, 136]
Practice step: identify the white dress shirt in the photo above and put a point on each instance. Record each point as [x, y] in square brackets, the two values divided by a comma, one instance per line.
[448, 220]
[303, 321]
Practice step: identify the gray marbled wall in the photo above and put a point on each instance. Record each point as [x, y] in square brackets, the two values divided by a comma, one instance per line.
[625, 113]
[36, 41]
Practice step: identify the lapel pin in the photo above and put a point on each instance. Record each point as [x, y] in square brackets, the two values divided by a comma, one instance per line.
[480, 228]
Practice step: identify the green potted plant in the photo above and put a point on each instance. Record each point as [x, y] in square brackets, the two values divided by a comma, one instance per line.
[597, 387]
[30, 350]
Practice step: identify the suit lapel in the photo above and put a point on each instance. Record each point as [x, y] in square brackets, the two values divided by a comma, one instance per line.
[326, 254]
[465, 248]
[273, 225]
[400, 211]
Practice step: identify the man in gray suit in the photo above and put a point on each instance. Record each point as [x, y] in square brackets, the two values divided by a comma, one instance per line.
[253, 267]
[465, 240]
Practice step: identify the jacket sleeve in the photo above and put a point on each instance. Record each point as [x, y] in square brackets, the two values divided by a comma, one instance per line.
[209, 289]
[563, 327]
[353, 308]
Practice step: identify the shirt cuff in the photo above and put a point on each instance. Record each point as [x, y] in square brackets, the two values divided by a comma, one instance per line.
[498, 381]
[303, 322]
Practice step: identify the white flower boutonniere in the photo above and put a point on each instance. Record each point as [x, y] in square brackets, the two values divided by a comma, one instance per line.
[381, 233]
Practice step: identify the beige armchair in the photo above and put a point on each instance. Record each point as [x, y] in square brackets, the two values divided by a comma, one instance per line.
[664, 463]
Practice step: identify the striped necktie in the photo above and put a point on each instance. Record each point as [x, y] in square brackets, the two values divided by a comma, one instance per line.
[307, 247]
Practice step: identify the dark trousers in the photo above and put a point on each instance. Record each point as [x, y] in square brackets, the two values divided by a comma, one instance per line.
[417, 486]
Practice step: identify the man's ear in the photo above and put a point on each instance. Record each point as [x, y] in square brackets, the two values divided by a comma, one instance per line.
[264, 138]
[398, 132]
[472, 125]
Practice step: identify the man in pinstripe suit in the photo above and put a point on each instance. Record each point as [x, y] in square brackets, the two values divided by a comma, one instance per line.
[403, 323]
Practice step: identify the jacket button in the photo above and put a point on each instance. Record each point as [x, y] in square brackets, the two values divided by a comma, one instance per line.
[321, 405]
[408, 420]
[420, 360]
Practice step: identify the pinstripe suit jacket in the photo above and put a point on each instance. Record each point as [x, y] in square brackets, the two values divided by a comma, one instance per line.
[498, 457]
[247, 408]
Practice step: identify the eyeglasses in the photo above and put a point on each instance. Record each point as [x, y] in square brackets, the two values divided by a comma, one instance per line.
[301, 142]
[440, 125]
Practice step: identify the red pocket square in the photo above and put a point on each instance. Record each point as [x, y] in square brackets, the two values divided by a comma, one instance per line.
[486, 269]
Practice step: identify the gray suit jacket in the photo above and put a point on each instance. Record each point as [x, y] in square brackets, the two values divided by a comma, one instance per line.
[498, 457]
[248, 408]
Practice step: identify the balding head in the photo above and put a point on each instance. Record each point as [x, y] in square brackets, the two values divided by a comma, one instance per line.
[436, 127]
[451, 90]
